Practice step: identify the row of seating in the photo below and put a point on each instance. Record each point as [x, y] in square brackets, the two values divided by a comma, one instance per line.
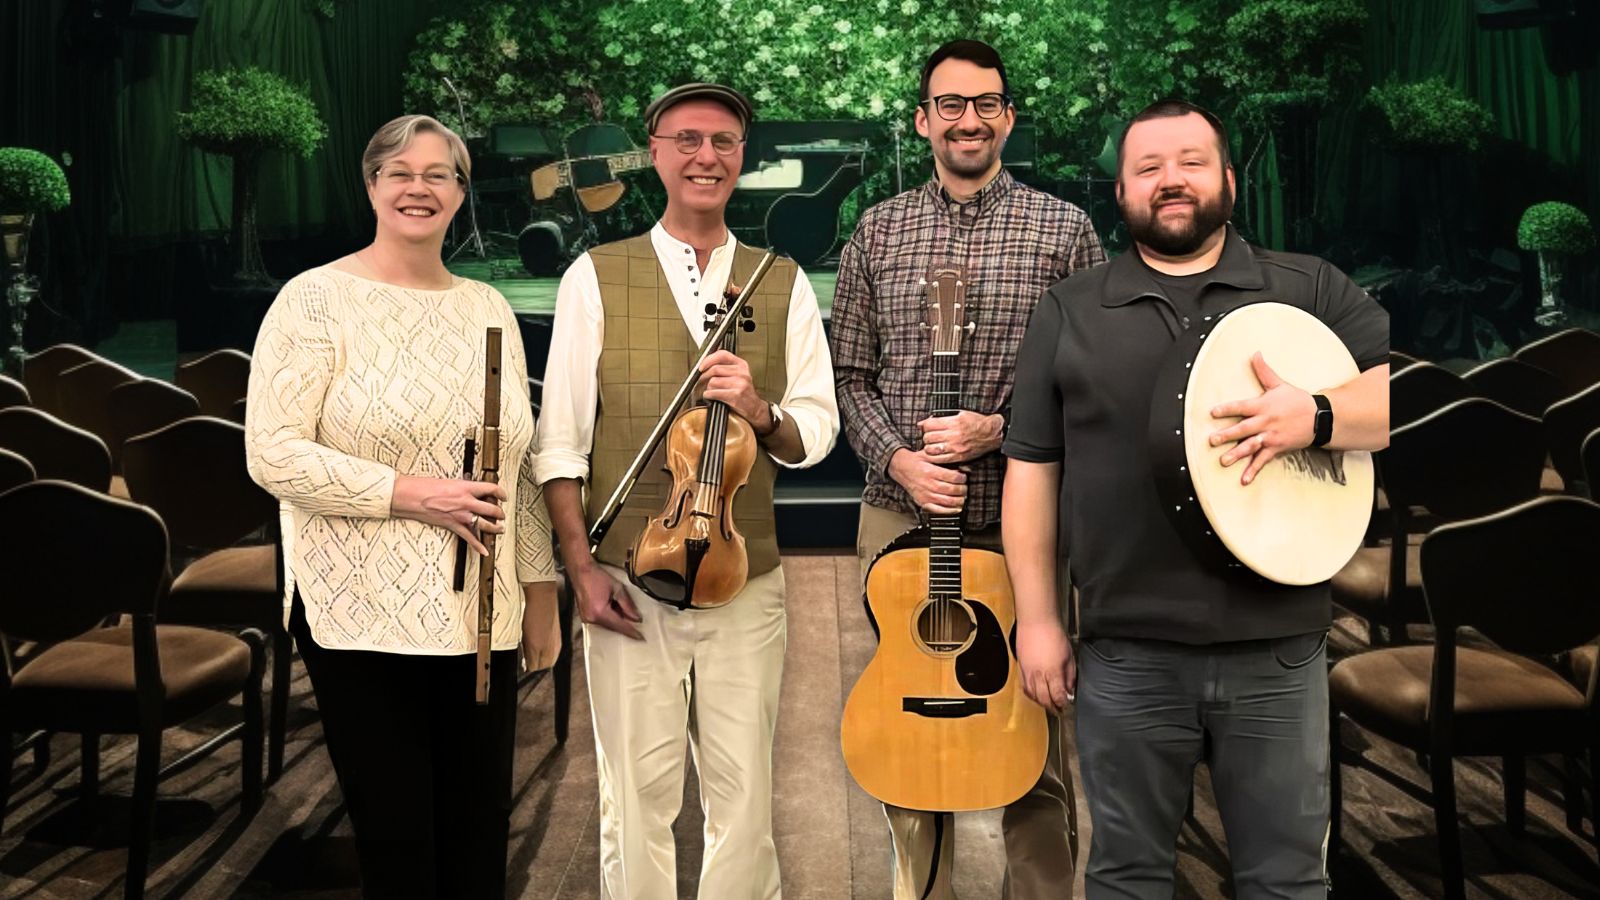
[1475, 537]
[90, 590]
[117, 435]
[97, 434]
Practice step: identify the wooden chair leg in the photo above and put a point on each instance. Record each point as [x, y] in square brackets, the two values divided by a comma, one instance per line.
[1442, 768]
[282, 658]
[89, 778]
[562, 675]
[143, 820]
[1572, 792]
[5, 768]
[1515, 774]
[1594, 789]
[41, 753]
[250, 756]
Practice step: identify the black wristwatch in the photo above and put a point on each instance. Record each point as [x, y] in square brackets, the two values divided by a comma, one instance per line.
[1322, 426]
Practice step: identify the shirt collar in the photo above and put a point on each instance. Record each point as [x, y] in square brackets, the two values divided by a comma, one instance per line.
[669, 247]
[1129, 277]
[988, 195]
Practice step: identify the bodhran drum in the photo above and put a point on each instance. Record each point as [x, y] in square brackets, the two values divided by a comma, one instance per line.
[1304, 515]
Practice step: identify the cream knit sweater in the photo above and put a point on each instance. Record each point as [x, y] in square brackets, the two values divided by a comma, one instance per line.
[352, 382]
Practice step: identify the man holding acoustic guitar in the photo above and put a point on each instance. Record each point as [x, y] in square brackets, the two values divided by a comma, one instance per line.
[934, 293]
[1185, 659]
[661, 666]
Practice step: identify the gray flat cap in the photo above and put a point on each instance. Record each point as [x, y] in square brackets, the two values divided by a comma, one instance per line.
[736, 102]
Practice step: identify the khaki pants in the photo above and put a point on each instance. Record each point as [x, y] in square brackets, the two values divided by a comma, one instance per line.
[711, 675]
[1040, 829]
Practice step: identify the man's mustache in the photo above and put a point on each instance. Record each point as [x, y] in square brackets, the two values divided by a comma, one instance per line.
[955, 135]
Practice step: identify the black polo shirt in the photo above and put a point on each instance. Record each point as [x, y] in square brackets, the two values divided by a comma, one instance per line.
[1085, 375]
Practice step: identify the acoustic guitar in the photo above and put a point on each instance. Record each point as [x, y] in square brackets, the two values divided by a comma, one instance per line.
[938, 720]
[597, 155]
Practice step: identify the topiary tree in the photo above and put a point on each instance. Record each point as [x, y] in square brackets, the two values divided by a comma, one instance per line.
[243, 114]
[1429, 117]
[1284, 62]
[30, 183]
[1426, 122]
[1553, 230]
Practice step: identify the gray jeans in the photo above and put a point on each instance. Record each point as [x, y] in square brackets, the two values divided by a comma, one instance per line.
[1255, 711]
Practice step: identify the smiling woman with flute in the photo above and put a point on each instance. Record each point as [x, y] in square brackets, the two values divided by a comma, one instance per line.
[370, 376]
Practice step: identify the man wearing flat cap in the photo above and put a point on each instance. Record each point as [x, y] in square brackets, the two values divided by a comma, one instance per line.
[629, 319]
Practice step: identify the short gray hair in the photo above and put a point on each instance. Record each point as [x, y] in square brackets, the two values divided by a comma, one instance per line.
[392, 139]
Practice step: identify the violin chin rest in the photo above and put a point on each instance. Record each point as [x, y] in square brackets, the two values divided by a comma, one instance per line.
[665, 585]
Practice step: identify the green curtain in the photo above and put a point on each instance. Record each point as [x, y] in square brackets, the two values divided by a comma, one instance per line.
[351, 64]
[1546, 123]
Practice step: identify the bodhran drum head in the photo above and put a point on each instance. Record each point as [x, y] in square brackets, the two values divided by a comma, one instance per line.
[1305, 514]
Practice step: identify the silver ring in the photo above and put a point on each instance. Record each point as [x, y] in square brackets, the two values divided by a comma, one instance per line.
[938, 449]
[473, 522]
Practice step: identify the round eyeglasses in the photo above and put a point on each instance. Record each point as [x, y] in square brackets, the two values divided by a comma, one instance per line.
[953, 106]
[723, 142]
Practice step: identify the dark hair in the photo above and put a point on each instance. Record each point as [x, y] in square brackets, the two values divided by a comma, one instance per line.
[1172, 109]
[976, 52]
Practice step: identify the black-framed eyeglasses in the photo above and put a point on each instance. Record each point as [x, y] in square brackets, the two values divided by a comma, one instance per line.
[723, 142]
[953, 106]
[400, 176]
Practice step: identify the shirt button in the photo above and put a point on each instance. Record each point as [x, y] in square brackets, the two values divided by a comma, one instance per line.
[686, 249]
[1186, 321]
[691, 281]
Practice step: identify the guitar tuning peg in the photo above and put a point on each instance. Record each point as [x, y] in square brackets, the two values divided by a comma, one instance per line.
[747, 325]
[971, 327]
[712, 309]
[748, 313]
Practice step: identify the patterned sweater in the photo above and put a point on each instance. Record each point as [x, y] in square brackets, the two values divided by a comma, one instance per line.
[354, 381]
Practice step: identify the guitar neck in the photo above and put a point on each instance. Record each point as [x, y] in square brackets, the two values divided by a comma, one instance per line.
[617, 163]
[944, 532]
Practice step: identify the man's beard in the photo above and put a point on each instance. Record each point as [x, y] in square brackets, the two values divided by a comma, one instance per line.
[968, 166]
[1178, 239]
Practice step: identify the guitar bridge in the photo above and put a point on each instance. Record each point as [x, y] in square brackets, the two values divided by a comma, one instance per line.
[945, 707]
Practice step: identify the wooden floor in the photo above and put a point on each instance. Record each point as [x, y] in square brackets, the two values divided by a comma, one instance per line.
[832, 841]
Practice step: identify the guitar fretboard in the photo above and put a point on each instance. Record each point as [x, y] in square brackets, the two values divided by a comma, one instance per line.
[944, 532]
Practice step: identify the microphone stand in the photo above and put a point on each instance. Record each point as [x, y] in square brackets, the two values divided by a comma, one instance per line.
[475, 239]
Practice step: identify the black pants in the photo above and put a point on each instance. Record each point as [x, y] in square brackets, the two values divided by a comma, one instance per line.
[425, 770]
[1255, 711]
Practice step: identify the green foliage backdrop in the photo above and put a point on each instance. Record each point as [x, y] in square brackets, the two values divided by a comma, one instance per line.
[1079, 69]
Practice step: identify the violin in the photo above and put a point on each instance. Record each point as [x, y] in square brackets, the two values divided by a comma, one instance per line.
[692, 554]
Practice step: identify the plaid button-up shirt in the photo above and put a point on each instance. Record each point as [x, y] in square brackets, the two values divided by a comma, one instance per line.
[1015, 242]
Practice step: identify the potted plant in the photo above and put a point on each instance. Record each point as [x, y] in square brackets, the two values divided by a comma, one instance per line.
[1554, 230]
[30, 183]
[1428, 121]
[244, 114]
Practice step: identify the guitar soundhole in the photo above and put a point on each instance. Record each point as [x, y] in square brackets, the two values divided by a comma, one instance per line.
[945, 627]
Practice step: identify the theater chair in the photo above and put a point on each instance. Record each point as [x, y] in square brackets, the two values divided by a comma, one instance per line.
[1471, 458]
[1527, 579]
[138, 678]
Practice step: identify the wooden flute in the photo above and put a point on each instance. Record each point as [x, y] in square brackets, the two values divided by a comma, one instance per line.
[489, 456]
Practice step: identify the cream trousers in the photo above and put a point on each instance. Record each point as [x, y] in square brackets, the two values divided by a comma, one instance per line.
[712, 676]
